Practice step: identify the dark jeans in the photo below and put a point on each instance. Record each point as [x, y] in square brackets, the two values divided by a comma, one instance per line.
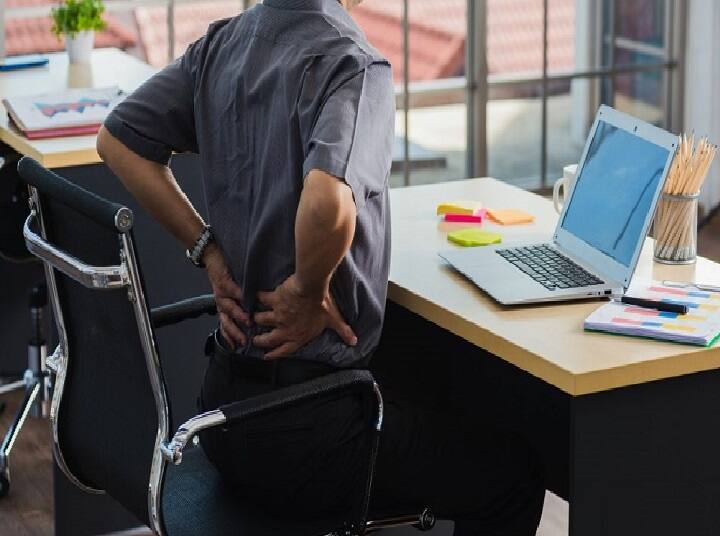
[310, 460]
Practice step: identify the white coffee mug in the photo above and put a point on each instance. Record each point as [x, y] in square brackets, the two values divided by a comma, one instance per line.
[566, 183]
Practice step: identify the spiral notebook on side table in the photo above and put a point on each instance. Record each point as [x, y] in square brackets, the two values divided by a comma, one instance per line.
[701, 326]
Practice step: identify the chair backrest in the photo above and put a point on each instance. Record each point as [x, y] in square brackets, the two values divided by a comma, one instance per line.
[109, 408]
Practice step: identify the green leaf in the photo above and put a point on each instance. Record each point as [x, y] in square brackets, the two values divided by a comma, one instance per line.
[73, 16]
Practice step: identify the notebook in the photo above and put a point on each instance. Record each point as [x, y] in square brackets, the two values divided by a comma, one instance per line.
[14, 63]
[701, 326]
[63, 113]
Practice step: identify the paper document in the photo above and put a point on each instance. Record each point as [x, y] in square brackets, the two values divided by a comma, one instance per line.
[63, 109]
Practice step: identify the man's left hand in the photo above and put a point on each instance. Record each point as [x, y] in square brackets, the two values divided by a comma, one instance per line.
[297, 317]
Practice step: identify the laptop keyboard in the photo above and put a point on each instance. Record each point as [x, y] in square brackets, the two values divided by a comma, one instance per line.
[549, 267]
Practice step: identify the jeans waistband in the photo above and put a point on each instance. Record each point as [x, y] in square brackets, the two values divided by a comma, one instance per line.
[279, 372]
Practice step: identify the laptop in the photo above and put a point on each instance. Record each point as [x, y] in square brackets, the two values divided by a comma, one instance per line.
[600, 233]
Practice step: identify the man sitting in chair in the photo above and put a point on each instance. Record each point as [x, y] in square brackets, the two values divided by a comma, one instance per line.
[292, 114]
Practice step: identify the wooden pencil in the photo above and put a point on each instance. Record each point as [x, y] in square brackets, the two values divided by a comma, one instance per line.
[675, 227]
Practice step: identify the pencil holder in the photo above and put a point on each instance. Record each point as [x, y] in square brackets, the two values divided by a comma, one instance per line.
[675, 229]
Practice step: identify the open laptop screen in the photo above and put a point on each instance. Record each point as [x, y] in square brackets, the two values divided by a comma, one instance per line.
[614, 191]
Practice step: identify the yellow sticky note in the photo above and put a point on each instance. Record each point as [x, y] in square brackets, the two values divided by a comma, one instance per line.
[466, 208]
[474, 237]
[510, 216]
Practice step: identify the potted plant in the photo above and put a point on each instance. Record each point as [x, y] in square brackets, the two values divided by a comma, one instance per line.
[78, 20]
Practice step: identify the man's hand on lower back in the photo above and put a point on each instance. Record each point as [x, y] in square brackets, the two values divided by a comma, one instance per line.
[228, 296]
[296, 318]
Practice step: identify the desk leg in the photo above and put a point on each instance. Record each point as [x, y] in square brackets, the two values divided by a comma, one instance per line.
[646, 459]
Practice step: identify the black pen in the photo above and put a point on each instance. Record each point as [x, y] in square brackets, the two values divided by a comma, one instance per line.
[653, 304]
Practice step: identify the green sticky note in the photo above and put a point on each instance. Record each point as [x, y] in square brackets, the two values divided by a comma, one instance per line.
[474, 237]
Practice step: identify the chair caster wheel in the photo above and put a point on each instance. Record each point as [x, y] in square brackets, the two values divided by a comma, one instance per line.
[426, 521]
[4, 485]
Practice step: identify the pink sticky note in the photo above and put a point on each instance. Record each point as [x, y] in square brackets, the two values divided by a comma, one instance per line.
[466, 218]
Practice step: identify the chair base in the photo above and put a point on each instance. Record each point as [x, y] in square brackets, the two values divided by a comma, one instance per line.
[31, 394]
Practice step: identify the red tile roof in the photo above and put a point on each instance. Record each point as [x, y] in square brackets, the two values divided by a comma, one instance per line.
[191, 23]
[438, 29]
[436, 50]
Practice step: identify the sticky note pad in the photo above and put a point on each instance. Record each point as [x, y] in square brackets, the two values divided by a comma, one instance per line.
[474, 237]
[510, 216]
[466, 218]
[469, 208]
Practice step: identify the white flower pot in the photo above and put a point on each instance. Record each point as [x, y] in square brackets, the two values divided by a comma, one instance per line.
[79, 47]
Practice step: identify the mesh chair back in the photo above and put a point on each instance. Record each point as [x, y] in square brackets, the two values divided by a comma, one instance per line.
[106, 419]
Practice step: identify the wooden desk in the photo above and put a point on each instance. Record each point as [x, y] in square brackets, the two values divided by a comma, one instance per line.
[109, 67]
[551, 344]
[628, 428]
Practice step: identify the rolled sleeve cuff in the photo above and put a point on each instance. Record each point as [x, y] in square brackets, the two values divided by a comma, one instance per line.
[136, 142]
[324, 160]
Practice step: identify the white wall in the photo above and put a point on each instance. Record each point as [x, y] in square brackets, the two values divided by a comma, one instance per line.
[702, 84]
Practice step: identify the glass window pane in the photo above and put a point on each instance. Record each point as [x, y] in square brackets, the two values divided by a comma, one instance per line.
[639, 32]
[191, 21]
[437, 119]
[641, 95]
[514, 37]
[570, 115]
[562, 36]
[641, 20]
[514, 118]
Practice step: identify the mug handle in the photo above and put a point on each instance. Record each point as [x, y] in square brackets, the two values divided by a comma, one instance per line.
[556, 194]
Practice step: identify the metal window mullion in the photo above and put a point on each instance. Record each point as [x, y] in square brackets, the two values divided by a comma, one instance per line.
[668, 42]
[506, 81]
[677, 54]
[470, 88]
[406, 91]
[477, 89]
[544, 121]
[639, 47]
[2, 30]
[611, 53]
[171, 30]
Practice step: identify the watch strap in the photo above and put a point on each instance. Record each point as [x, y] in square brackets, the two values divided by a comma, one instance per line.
[195, 254]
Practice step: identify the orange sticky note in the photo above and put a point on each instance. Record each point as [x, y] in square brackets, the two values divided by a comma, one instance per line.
[510, 216]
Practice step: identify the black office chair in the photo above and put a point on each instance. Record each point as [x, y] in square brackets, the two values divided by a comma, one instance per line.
[109, 411]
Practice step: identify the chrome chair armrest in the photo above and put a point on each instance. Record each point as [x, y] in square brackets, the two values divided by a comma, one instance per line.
[173, 313]
[173, 450]
[99, 277]
[265, 403]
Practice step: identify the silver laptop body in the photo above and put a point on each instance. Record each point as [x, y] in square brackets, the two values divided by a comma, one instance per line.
[600, 233]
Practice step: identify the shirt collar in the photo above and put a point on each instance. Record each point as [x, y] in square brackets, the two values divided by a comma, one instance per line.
[303, 5]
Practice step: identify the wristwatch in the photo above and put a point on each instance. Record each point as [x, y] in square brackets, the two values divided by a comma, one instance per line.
[195, 254]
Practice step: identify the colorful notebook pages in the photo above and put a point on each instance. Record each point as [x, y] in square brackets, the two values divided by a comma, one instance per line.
[701, 326]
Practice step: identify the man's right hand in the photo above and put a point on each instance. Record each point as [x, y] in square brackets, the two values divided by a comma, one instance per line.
[228, 296]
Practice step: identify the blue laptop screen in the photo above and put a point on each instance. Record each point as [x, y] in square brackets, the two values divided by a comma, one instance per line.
[614, 191]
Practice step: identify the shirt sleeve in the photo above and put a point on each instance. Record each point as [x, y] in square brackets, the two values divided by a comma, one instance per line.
[158, 118]
[352, 138]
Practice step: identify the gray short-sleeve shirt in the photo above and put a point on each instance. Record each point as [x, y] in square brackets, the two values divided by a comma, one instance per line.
[265, 97]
